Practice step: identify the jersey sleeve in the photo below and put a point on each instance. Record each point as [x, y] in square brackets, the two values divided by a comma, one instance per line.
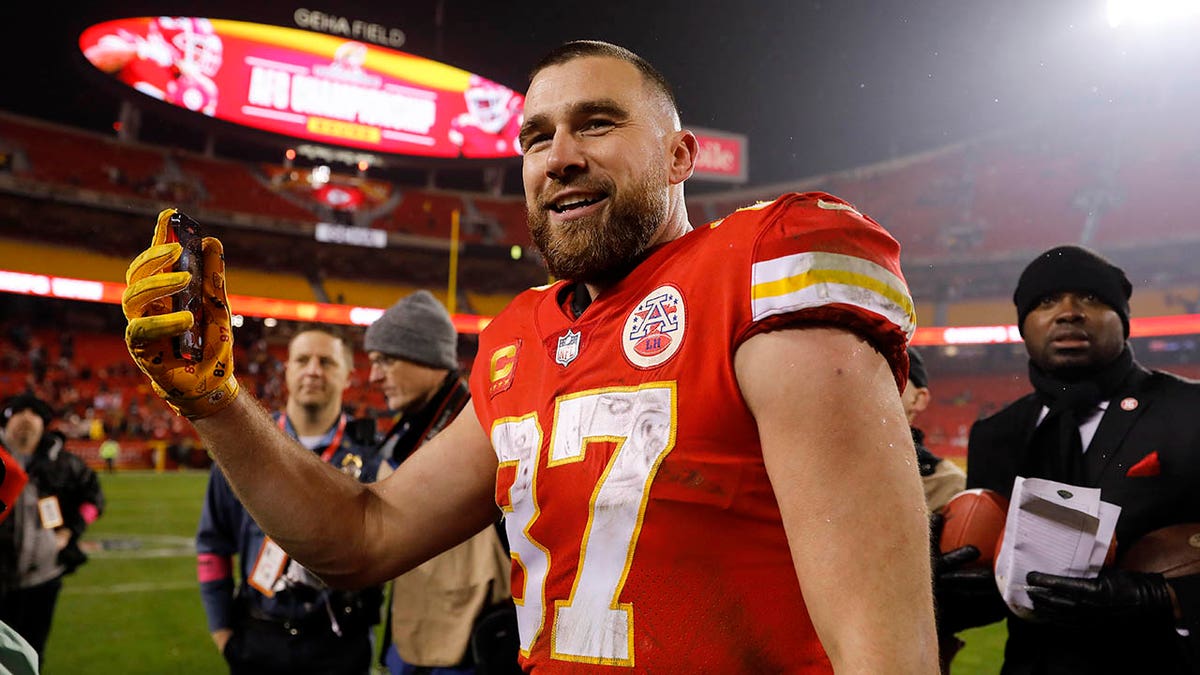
[817, 261]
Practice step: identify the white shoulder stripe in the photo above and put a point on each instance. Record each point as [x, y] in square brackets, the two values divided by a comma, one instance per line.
[813, 279]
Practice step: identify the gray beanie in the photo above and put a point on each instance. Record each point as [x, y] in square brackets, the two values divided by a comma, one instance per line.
[417, 328]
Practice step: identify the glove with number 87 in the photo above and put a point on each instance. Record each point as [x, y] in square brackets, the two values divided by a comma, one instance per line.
[193, 390]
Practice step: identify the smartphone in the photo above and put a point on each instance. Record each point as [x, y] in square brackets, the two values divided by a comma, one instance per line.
[189, 346]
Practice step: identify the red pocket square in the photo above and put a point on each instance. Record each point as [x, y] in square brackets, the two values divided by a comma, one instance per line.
[1149, 466]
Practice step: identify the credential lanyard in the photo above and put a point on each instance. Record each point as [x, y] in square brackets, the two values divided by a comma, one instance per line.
[334, 444]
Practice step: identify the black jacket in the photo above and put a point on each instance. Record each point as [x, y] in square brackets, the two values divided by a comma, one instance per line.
[54, 471]
[1152, 412]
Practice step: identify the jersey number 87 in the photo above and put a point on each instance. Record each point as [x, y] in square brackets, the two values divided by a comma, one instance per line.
[590, 626]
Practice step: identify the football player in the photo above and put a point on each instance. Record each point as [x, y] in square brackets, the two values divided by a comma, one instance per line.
[174, 61]
[200, 54]
[696, 436]
[489, 126]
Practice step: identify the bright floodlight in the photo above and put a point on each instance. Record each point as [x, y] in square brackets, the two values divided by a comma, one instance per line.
[1150, 11]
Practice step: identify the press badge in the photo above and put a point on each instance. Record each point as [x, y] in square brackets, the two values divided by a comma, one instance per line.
[268, 567]
[50, 512]
[352, 465]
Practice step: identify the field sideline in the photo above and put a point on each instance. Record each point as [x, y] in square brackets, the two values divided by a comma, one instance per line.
[134, 608]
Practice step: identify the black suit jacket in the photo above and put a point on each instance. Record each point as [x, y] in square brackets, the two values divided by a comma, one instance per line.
[1153, 412]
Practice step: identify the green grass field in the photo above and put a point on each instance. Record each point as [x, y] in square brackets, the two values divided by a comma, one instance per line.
[135, 609]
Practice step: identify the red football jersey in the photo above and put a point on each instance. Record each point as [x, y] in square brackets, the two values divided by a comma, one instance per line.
[474, 141]
[643, 527]
[194, 92]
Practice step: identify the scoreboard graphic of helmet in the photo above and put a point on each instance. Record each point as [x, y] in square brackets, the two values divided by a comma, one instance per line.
[311, 86]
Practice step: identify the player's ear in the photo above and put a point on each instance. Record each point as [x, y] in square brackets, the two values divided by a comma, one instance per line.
[685, 149]
[921, 402]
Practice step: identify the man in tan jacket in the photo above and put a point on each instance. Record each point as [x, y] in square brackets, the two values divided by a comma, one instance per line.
[435, 608]
[942, 478]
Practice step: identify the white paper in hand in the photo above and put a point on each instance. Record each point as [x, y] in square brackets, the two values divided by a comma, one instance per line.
[1055, 528]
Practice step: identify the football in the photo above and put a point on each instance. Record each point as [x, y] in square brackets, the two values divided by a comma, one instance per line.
[974, 517]
[1172, 551]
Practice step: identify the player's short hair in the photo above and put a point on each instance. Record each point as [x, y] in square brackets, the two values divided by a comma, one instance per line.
[577, 49]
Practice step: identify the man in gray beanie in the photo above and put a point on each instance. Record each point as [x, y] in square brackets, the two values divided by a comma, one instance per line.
[418, 329]
[941, 478]
[413, 349]
[1096, 419]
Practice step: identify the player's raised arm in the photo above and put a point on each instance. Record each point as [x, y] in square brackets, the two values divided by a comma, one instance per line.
[349, 533]
[840, 459]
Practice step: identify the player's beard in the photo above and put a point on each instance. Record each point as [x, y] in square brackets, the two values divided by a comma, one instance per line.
[604, 247]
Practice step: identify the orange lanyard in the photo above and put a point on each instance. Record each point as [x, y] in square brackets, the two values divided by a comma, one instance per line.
[334, 443]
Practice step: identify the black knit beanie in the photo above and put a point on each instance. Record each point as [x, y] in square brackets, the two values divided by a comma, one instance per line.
[26, 401]
[916, 368]
[1072, 268]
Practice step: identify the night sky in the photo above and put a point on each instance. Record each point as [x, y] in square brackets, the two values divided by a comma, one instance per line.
[817, 86]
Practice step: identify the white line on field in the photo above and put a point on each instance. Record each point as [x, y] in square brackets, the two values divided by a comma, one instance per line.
[140, 546]
[70, 589]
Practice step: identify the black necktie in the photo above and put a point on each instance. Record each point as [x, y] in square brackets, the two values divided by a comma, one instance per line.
[1055, 450]
[1058, 448]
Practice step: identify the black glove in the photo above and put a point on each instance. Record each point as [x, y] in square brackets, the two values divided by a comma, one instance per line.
[71, 557]
[1114, 595]
[964, 597]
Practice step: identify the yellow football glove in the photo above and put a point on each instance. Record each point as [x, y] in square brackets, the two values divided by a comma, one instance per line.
[193, 390]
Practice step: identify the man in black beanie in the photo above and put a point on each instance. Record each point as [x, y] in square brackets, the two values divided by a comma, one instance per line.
[39, 544]
[1096, 419]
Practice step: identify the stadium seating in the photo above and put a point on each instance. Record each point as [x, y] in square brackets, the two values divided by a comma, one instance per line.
[63, 156]
[1157, 199]
[63, 261]
[488, 304]
[232, 186]
[425, 213]
[510, 215]
[370, 294]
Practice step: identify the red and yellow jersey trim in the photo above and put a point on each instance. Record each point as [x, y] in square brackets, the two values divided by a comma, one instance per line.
[814, 279]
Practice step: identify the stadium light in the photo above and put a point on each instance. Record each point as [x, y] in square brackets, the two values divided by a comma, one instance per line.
[1122, 12]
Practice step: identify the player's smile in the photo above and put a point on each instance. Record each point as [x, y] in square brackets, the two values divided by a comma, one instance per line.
[574, 198]
[576, 207]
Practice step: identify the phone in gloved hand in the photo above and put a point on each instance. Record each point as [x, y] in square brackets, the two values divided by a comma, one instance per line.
[189, 346]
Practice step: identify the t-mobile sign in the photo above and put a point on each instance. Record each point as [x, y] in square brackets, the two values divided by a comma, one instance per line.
[722, 156]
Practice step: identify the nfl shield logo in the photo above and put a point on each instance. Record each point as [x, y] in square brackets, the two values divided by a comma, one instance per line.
[568, 348]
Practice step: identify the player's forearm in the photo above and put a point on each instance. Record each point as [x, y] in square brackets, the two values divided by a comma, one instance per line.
[310, 509]
[862, 558]
[869, 580]
[886, 624]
